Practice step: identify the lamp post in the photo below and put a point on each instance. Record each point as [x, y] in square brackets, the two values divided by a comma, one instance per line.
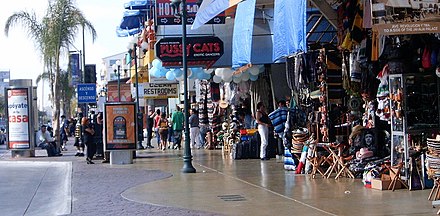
[117, 69]
[133, 49]
[187, 157]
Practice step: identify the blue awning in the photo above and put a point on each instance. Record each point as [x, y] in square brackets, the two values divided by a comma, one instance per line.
[132, 19]
[127, 32]
[138, 5]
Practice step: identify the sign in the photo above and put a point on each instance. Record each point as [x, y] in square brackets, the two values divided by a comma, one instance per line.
[158, 91]
[5, 75]
[408, 28]
[120, 126]
[166, 15]
[396, 17]
[74, 69]
[112, 92]
[201, 51]
[18, 105]
[86, 93]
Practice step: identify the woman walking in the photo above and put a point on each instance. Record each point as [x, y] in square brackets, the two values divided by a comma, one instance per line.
[163, 131]
[88, 133]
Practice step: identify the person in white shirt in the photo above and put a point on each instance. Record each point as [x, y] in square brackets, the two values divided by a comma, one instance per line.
[45, 141]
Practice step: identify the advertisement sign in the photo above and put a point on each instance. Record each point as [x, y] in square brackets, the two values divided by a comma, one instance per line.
[159, 90]
[203, 51]
[166, 15]
[18, 105]
[86, 93]
[74, 66]
[395, 17]
[112, 92]
[120, 126]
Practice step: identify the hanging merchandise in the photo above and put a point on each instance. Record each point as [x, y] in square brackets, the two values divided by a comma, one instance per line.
[242, 34]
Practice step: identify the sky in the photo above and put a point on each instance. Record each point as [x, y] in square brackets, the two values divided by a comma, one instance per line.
[19, 55]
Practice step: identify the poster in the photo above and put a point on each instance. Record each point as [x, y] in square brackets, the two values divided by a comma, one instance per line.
[18, 105]
[112, 92]
[120, 126]
[397, 17]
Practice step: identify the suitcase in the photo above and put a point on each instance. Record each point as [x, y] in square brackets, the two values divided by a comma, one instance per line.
[241, 150]
[254, 148]
[272, 145]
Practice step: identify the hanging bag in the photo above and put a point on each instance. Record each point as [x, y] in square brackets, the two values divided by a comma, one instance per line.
[426, 58]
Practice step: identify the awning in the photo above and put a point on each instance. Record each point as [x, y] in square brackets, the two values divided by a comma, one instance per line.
[131, 24]
[138, 5]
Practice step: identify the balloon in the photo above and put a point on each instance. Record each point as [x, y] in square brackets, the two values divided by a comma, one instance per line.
[254, 70]
[197, 70]
[218, 72]
[162, 72]
[153, 71]
[157, 63]
[253, 77]
[177, 72]
[262, 69]
[206, 76]
[180, 78]
[228, 79]
[245, 77]
[227, 73]
[237, 75]
[190, 74]
[236, 79]
[217, 79]
[170, 75]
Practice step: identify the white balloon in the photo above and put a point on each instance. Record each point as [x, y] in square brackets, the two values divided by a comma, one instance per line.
[236, 79]
[180, 78]
[219, 72]
[254, 70]
[217, 79]
[245, 77]
[227, 79]
[227, 72]
[237, 75]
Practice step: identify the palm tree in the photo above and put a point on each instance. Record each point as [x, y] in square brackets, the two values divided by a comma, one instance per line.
[53, 35]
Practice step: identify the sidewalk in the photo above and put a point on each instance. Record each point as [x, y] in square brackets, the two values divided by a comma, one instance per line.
[154, 185]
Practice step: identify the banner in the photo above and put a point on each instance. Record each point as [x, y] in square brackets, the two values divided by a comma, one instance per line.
[120, 126]
[211, 8]
[74, 66]
[289, 30]
[112, 92]
[18, 106]
[242, 38]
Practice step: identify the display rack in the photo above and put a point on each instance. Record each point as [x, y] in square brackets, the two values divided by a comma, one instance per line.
[414, 112]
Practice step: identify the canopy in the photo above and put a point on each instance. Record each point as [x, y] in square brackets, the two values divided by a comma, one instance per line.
[138, 5]
[132, 19]
[127, 32]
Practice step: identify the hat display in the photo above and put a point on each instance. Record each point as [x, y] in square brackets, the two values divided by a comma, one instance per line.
[364, 153]
[433, 157]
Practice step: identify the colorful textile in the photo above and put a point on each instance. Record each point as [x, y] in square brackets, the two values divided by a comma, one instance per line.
[243, 29]
[279, 118]
[289, 164]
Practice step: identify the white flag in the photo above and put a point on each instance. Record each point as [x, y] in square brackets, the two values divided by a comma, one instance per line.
[211, 8]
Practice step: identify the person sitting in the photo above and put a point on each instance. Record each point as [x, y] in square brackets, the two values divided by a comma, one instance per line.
[45, 141]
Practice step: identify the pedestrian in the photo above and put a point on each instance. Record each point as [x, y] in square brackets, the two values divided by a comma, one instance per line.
[263, 122]
[64, 131]
[79, 142]
[163, 131]
[45, 141]
[278, 118]
[150, 126]
[88, 133]
[98, 127]
[170, 132]
[156, 127]
[177, 119]
[194, 130]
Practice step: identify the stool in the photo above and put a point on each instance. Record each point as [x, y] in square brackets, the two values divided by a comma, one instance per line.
[397, 177]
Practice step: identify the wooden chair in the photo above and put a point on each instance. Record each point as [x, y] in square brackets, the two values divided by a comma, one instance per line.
[397, 177]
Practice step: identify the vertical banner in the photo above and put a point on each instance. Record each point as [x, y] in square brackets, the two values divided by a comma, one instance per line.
[243, 29]
[18, 105]
[74, 69]
[120, 126]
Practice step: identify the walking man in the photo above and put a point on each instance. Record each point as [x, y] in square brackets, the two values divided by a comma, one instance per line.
[177, 120]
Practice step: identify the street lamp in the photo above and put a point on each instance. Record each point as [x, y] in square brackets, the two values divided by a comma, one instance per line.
[117, 69]
[132, 46]
[187, 157]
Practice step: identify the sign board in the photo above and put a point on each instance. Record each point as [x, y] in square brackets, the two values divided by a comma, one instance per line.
[158, 90]
[112, 92]
[396, 17]
[120, 126]
[18, 103]
[86, 93]
[166, 15]
[201, 51]
[5, 75]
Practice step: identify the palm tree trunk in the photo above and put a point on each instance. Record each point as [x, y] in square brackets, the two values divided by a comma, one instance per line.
[56, 101]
